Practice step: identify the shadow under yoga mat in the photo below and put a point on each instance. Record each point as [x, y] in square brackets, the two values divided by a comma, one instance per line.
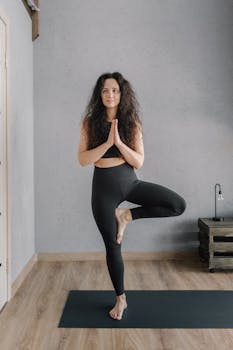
[150, 309]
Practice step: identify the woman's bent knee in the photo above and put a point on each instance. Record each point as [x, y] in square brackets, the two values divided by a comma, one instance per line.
[181, 207]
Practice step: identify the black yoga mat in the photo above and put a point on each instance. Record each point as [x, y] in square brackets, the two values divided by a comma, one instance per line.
[150, 309]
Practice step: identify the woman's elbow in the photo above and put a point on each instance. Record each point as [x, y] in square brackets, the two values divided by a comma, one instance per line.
[81, 161]
[139, 164]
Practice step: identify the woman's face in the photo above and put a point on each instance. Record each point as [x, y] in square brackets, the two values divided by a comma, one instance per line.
[110, 93]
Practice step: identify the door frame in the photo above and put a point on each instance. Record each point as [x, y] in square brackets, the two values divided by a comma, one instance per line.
[5, 19]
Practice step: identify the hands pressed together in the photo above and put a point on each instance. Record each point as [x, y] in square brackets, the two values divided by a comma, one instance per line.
[131, 156]
[114, 137]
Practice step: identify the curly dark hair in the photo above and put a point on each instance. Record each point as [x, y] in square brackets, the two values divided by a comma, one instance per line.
[94, 120]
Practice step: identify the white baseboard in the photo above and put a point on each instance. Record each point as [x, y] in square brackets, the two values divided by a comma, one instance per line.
[85, 256]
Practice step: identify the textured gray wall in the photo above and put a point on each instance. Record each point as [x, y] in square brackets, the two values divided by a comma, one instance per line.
[20, 124]
[178, 56]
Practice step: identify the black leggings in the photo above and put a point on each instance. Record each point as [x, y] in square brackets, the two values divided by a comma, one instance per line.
[110, 187]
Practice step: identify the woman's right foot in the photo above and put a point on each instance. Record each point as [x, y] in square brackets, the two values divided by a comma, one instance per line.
[117, 311]
[123, 216]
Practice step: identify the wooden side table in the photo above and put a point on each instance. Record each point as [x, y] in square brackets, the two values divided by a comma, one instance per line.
[216, 243]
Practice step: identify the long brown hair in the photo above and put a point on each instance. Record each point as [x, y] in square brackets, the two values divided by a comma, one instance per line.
[94, 120]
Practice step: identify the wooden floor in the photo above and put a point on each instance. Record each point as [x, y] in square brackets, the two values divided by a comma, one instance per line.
[29, 321]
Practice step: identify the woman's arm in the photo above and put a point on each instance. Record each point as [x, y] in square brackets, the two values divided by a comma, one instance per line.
[87, 157]
[135, 158]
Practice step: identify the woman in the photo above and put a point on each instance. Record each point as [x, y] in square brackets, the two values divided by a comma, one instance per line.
[111, 139]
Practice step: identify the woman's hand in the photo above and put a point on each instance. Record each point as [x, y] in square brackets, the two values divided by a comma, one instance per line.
[135, 156]
[117, 140]
[110, 140]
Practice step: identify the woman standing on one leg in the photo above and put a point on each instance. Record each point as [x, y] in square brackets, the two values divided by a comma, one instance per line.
[111, 139]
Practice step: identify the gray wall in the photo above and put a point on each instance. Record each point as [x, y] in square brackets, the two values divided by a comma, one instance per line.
[178, 56]
[20, 123]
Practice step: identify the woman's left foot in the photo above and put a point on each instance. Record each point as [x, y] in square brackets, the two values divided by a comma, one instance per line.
[123, 216]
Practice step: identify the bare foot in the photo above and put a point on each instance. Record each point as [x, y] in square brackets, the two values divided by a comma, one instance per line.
[123, 216]
[119, 308]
